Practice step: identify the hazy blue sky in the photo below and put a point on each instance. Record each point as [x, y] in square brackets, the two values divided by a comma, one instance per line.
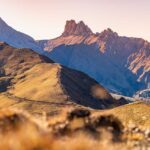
[44, 19]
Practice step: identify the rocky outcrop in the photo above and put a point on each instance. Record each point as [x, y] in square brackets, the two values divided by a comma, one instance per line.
[73, 28]
[121, 64]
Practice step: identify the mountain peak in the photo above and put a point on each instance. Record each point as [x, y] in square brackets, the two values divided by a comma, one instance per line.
[108, 32]
[73, 28]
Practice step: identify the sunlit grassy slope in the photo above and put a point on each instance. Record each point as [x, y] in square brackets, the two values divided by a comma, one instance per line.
[35, 83]
[135, 113]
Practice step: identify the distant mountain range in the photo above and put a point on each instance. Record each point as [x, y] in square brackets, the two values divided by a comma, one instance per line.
[16, 38]
[121, 64]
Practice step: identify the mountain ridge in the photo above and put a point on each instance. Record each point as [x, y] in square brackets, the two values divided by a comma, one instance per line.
[117, 62]
[126, 55]
[16, 38]
[32, 80]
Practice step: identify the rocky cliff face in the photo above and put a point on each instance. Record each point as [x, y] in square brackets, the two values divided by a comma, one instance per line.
[72, 28]
[121, 64]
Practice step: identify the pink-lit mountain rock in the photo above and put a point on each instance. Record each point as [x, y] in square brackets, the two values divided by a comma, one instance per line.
[122, 64]
[72, 28]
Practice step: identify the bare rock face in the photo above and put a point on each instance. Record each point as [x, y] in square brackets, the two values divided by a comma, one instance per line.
[108, 33]
[121, 64]
[73, 28]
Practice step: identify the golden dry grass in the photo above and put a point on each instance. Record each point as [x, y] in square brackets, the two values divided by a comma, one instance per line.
[24, 133]
[137, 114]
[6, 101]
[39, 83]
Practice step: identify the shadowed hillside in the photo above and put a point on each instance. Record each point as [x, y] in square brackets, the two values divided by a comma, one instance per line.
[61, 100]
[33, 82]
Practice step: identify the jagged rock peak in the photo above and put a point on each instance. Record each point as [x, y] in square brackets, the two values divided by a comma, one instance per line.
[73, 28]
[108, 32]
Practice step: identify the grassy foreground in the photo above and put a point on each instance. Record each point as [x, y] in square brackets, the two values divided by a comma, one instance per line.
[74, 129]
